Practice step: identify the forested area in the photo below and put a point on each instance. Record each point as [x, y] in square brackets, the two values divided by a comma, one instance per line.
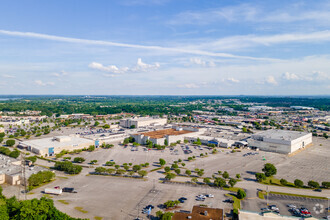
[144, 105]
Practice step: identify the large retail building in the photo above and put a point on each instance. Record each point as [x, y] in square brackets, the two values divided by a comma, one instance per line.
[280, 141]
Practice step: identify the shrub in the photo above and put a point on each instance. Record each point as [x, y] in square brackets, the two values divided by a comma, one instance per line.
[241, 194]
[313, 184]
[298, 183]
[10, 143]
[326, 184]
[78, 159]
[283, 182]
[260, 177]
[68, 167]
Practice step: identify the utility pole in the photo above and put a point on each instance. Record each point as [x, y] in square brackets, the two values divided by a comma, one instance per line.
[267, 192]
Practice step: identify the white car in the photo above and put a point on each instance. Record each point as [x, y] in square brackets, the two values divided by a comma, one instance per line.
[292, 206]
[210, 196]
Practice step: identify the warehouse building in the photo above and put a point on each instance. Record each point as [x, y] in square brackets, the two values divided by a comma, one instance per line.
[280, 141]
[54, 145]
[172, 135]
[219, 142]
[142, 122]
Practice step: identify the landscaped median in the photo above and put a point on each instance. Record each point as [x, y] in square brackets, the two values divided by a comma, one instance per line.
[262, 195]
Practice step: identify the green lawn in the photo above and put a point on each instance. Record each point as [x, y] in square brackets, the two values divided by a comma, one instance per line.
[261, 194]
[237, 202]
[81, 209]
[63, 202]
[232, 189]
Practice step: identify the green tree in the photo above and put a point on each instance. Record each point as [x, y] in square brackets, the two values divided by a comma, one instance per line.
[174, 166]
[238, 176]
[10, 143]
[33, 159]
[207, 180]
[162, 162]
[260, 177]
[136, 168]
[225, 175]
[165, 142]
[15, 153]
[100, 170]
[177, 171]
[170, 176]
[106, 126]
[91, 148]
[313, 184]
[142, 173]
[298, 183]
[188, 172]
[78, 159]
[167, 169]
[232, 182]
[326, 185]
[269, 169]
[283, 182]
[200, 172]
[219, 182]
[241, 194]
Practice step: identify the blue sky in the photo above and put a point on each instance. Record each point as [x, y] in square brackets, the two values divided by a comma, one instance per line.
[165, 47]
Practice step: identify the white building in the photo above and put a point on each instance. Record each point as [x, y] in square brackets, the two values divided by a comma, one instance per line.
[259, 108]
[54, 145]
[142, 122]
[280, 141]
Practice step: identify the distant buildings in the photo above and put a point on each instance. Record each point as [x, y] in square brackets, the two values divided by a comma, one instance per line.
[54, 145]
[280, 141]
[301, 108]
[142, 122]
[259, 108]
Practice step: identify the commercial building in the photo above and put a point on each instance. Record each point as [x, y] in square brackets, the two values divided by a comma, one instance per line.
[54, 145]
[11, 171]
[259, 108]
[280, 141]
[171, 135]
[142, 122]
[200, 213]
[219, 142]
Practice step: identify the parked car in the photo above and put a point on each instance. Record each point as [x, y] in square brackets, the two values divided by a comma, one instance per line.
[291, 206]
[69, 190]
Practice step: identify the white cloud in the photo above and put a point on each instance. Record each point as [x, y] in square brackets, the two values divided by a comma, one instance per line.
[290, 76]
[176, 50]
[201, 62]
[139, 67]
[8, 76]
[271, 80]
[41, 83]
[188, 86]
[60, 74]
[233, 80]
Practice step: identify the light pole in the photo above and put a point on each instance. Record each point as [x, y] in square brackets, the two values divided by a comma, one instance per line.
[267, 192]
[328, 208]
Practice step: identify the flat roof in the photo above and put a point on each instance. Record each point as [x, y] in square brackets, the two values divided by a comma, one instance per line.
[50, 142]
[145, 119]
[198, 214]
[162, 133]
[281, 134]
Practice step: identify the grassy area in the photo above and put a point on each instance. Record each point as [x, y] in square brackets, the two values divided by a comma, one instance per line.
[63, 177]
[273, 181]
[159, 168]
[232, 189]
[80, 209]
[63, 202]
[298, 195]
[237, 202]
[98, 218]
[261, 194]
[47, 196]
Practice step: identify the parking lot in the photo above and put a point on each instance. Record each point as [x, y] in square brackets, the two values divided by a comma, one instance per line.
[317, 207]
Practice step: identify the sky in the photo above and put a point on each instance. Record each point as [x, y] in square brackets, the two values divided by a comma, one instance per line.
[165, 47]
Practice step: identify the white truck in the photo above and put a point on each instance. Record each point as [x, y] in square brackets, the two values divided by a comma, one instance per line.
[53, 191]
